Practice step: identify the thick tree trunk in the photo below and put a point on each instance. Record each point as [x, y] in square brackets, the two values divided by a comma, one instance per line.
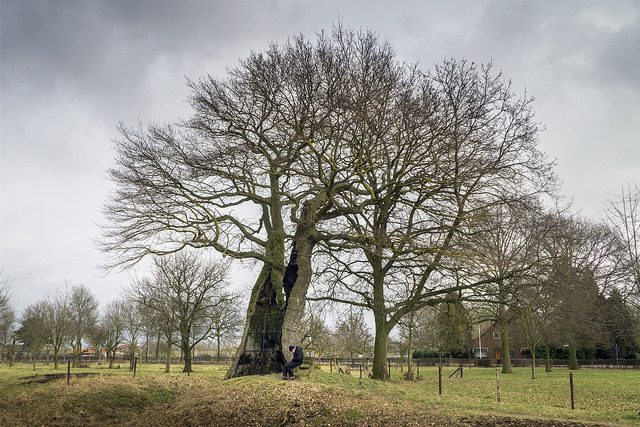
[277, 302]
[186, 353]
[573, 358]
[218, 347]
[55, 358]
[380, 348]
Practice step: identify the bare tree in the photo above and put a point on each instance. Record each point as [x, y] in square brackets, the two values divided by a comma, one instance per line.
[34, 331]
[114, 323]
[623, 214]
[133, 328]
[333, 142]
[226, 322]
[586, 264]
[186, 290]
[7, 315]
[351, 334]
[316, 335]
[84, 315]
[59, 320]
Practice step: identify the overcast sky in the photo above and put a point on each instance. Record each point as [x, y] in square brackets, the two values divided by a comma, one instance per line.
[71, 70]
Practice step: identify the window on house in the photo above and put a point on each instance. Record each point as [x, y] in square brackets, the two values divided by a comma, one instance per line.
[480, 353]
[496, 335]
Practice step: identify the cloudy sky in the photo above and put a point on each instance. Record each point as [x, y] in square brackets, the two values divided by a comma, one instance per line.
[71, 70]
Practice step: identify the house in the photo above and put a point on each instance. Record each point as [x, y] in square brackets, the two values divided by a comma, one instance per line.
[489, 343]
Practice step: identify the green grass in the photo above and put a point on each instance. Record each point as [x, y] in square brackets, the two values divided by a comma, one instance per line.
[600, 395]
[113, 396]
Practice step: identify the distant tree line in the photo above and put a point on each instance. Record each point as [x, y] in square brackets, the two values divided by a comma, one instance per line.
[182, 304]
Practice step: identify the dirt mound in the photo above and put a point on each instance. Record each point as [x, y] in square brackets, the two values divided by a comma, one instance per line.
[270, 403]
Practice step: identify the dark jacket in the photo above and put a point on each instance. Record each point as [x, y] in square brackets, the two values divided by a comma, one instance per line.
[297, 354]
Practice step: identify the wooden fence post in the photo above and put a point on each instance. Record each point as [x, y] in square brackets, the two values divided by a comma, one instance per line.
[439, 380]
[68, 371]
[389, 363]
[498, 384]
[571, 387]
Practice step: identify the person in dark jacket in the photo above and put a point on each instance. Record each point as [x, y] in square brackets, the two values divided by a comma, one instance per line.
[296, 360]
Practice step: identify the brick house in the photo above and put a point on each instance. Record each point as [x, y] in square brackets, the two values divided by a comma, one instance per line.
[491, 348]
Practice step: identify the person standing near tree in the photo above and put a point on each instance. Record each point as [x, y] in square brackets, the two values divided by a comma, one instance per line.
[296, 360]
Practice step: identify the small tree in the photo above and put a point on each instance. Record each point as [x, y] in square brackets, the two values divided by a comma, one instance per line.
[34, 331]
[114, 323]
[7, 317]
[226, 322]
[316, 335]
[84, 315]
[185, 291]
[59, 321]
[352, 335]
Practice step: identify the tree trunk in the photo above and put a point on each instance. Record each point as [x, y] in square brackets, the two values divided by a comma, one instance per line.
[506, 356]
[573, 358]
[547, 358]
[167, 366]
[158, 346]
[55, 358]
[380, 348]
[186, 352]
[277, 301]
[409, 347]
[218, 347]
[533, 363]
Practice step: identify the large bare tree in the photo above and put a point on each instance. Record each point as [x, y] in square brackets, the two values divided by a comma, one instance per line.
[435, 155]
[334, 142]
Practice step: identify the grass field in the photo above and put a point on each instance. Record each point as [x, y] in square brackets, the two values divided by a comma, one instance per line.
[114, 397]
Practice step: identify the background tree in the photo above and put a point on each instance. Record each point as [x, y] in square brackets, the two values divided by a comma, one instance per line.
[7, 316]
[587, 258]
[84, 314]
[97, 337]
[454, 326]
[503, 248]
[316, 335]
[352, 336]
[34, 331]
[59, 321]
[623, 213]
[621, 327]
[133, 328]
[114, 323]
[185, 290]
[226, 322]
